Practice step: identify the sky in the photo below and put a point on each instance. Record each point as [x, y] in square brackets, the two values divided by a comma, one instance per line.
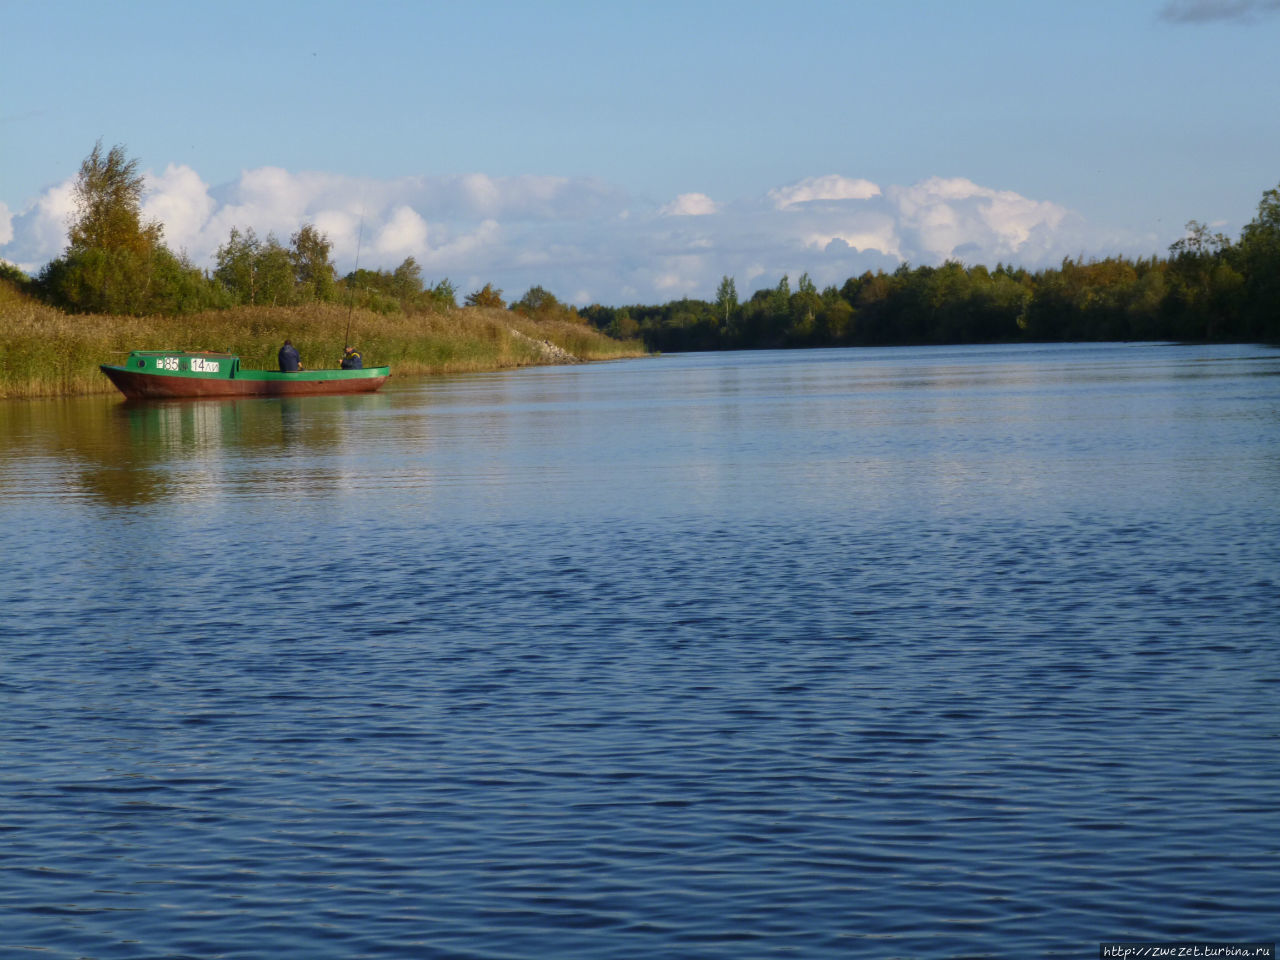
[636, 152]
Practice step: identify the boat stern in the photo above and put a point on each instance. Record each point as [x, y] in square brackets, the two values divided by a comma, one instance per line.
[169, 373]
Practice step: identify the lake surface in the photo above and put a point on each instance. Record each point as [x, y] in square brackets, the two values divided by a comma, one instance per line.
[929, 652]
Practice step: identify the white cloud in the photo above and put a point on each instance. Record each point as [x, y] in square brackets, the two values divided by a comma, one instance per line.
[939, 216]
[272, 200]
[454, 253]
[342, 227]
[831, 187]
[581, 234]
[526, 197]
[690, 205]
[879, 236]
[481, 192]
[681, 275]
[38, 233]
[405, 234]
[180, 200]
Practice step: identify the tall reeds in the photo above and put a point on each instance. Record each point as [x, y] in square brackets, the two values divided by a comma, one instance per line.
[44, 352]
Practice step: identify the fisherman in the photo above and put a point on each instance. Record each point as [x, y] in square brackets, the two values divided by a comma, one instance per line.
[351, 359]
[290, 362]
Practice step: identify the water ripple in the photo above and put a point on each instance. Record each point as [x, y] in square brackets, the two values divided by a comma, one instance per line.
[828, 700]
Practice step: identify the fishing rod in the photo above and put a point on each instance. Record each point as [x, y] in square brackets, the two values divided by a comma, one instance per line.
[351, 293]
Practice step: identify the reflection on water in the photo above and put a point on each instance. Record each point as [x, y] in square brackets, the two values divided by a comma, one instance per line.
[884, 653]
[879, 430]
[134, 452]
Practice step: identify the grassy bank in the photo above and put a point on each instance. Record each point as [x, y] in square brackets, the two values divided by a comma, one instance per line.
[44, 352]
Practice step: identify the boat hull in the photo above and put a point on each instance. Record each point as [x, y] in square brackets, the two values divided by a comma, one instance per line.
[165, 375]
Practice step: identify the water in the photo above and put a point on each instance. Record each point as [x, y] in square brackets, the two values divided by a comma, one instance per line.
[892, 653]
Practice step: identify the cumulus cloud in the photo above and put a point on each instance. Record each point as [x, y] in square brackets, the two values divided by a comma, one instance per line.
[831, 187]
[590, 237]
[867, 232]
[404, 234]
[1205, 11]
[937, 217]
[928, 222]
[680, 275]
[38, 232]
[690, 205]
[180, 200]
[477, 196]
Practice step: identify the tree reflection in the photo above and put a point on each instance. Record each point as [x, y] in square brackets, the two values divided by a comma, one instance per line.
[138, 452]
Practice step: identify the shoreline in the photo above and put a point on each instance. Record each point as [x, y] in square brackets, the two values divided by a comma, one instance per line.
[47, 353]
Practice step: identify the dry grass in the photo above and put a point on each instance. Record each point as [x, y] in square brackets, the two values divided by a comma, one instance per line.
[44, 352]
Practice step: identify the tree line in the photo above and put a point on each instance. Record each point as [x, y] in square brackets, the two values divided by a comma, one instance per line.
[116, 262]
[1207, 288]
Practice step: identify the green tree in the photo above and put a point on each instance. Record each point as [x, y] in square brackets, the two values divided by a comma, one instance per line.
[108, 197]
[237, 265]
[1199, 242]
[14, 275]
[537, 302]
[806, 306]
[776, 317]
[180, 287]
[726, 299]
[110, 263]
[256, 272]
[443, 295]
[486, 296]
[837, 316]
[406, 281]
[313, 270]
[1258, 261]
[1191, 300]
[623, 326]
[276, 276]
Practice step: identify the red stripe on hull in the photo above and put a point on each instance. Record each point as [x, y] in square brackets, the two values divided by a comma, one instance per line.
[151, 386]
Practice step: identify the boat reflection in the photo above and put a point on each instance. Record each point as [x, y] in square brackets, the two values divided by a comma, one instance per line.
[135, 452]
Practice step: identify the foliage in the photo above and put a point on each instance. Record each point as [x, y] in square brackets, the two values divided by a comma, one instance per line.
[113, 260]
[536, 301]
[542, 304]
[726, 300]
[314, 276]
[253, 272]
[108, 197]
[180, 287]
[406, 280]
[400, 290]
[14, 275]
[443, 295]
[1207, 289]
[44, 351]
[1257, 261]
[239, 266]
[486, 296]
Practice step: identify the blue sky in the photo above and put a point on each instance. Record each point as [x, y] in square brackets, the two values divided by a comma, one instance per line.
[637, 152]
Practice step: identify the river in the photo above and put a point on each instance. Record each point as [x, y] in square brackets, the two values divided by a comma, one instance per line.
[909, 652]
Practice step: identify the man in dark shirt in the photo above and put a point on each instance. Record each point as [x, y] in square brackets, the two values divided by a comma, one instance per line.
[289, 359]
[351, 359]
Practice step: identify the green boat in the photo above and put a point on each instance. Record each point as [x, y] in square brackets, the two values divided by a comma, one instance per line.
[168, 374]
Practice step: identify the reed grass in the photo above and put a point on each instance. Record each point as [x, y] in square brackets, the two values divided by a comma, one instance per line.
[45, 352]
